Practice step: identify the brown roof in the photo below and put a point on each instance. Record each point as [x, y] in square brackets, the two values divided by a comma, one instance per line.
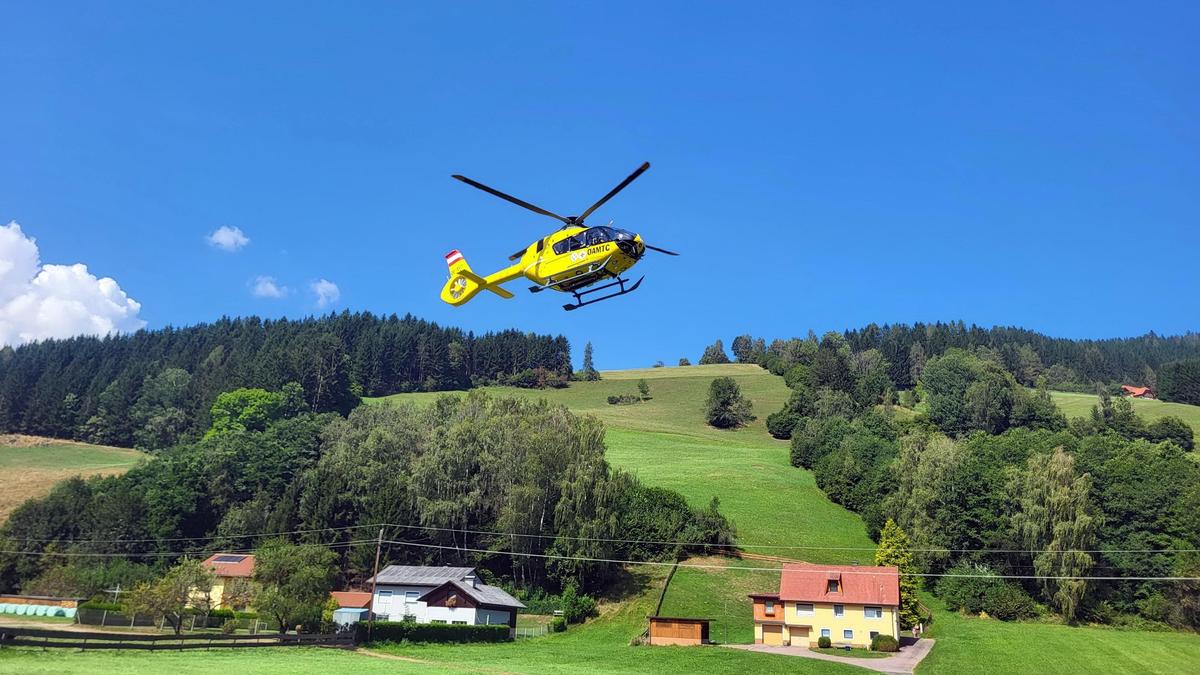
[230, 564]
[1135, 391]
[858, 585]
[354, 599]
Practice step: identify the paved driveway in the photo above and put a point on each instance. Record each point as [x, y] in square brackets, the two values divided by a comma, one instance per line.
[902, 663]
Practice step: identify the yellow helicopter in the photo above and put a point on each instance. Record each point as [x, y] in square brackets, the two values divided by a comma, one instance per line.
[570, 260]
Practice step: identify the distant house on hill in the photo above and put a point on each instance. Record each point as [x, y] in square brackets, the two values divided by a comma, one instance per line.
[850, 605]
[441, 595]
[1137, 392]
[227, 567]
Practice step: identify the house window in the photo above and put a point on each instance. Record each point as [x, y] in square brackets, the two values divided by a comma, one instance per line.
[873, 612]
[848, 634]
[825, 632]
[839, 611]
[804, 609]
[459, 623]
[874, 633]
[437, 621]
[411, 596]
[770, 608]
[381, 617]
[385, 594]
[832, 587]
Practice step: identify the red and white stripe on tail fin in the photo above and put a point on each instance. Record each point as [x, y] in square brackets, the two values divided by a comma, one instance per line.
[455, 261]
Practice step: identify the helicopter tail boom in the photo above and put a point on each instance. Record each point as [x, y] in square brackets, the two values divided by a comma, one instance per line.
[465, 284]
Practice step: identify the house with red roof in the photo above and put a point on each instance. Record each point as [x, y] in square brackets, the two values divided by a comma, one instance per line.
[1137, 392]
[849, 604]
[226, 567]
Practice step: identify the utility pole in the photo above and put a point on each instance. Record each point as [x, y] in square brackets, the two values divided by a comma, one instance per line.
[374, 582]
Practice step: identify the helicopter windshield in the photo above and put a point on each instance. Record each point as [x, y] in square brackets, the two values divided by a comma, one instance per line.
[589, 237]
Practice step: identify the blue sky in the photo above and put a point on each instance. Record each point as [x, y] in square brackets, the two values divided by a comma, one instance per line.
[817, 166]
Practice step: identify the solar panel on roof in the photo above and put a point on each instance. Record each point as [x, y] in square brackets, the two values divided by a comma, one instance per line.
[229, 558]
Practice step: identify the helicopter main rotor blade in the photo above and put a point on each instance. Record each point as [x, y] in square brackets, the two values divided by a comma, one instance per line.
[640, 170]
[510, 198]
[660, 250]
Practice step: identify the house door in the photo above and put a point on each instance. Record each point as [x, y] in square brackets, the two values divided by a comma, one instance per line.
[773, 635]
[798, 636]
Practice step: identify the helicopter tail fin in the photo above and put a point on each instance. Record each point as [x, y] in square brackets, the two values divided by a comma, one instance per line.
[465, 284]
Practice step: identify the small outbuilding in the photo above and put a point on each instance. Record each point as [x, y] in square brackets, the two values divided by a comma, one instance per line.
[666, 630]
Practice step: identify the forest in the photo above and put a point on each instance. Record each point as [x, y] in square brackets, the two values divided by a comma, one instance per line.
[989, 480]
[437, 477]
[154, 388]
[1066, 364]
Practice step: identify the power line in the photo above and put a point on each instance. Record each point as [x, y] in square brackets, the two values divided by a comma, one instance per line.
[168, 554]
[787, 547]
[864, 572]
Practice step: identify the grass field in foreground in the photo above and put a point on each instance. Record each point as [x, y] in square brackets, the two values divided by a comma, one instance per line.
[973, 645]
[32, 465]
[256, 661]
[1080, 405]
[665, 442]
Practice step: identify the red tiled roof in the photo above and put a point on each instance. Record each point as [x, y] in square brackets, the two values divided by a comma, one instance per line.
[230, 564]
[1135, 391]
[354, 599]
[859, 585]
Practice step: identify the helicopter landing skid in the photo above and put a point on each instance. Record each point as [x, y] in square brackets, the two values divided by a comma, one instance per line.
[579, 295]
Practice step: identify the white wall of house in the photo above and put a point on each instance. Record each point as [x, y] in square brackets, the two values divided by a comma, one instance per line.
[395, 602]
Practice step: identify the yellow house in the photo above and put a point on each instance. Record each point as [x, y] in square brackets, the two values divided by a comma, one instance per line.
[848, 604]
[226, 567]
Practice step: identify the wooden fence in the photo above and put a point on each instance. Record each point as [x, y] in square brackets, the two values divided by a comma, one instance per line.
[73, 639]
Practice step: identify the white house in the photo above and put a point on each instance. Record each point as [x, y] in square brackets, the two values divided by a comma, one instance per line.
[441, 595]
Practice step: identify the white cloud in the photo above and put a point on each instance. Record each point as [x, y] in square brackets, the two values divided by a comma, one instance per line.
[38, 301]
[266, 287]
[326, 291]
[228, 238]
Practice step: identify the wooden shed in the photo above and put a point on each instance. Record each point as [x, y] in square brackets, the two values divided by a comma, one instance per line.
[666, 630]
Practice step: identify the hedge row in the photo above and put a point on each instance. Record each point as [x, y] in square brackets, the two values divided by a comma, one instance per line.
[399, 631]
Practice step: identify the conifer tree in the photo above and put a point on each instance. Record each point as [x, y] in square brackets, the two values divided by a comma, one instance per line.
[590, 373]
[894, 551]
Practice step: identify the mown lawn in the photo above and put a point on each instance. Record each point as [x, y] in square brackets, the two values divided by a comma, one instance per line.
[250, 661]
[1080, 405]
[720, 595]
[32, 465]
[973, 645]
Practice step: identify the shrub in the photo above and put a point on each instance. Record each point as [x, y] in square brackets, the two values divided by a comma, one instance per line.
[100, 605]
[624, 399]
[229, 626]
[884, 643]
[824, 642]
[400, 631]
[221, 614]
[781, 423]
[1008, 602]
[558, 625]
[576, 607]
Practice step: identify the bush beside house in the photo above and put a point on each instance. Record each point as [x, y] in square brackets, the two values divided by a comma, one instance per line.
[400, 631]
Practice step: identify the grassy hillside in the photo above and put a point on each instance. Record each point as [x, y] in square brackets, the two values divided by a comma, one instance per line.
[666, 442]
[1080, 405]
[32, 465]
[973, 645]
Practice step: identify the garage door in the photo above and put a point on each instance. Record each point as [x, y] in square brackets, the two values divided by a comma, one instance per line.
[799, 636]
[772, 635]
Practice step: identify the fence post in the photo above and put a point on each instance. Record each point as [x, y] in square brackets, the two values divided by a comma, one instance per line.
[103, 617]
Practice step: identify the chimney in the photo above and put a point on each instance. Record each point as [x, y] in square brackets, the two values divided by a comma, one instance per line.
[471, 579]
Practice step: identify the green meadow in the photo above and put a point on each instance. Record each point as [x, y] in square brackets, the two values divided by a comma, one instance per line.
[1080, 405]
[32, 465]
